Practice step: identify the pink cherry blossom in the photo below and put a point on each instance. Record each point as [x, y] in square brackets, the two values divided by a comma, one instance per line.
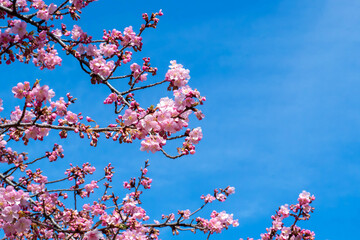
[45, 14]
[90, 187]
[71, 117]
[177, 75]
[19, 27]
[92, 50]
[152, 144]
[101, 67]
[47, 58]
[21, 89]
[2, 141]
[16, 115]
[130, 117]
[208, 198]
[77, 33]
[60, 106]
[22, 225]
[10, 213]
[9, 229]
[38, 4]
[130, 38]
[108, 50]
[43, 93]
[195, 136]
[93, 235]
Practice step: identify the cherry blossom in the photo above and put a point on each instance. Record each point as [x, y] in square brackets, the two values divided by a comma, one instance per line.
[93, 235]
[19, 27]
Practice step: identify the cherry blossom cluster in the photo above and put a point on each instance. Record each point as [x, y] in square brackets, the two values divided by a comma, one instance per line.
[35, 111]
[219, 194]
[218, 222]
[169, 117]
[8, 155]
[56, 152]
[300, 212]
[177, 75]
[44, 207]
[13, 207]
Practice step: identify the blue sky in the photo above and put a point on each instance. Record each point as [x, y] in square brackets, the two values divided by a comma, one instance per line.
[282, 81]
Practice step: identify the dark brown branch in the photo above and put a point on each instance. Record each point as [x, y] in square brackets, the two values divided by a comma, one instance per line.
[172, 157]
[143, 87]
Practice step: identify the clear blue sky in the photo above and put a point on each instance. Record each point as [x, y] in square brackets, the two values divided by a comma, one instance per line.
[282, 80]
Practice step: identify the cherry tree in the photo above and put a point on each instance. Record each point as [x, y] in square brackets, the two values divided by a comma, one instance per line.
[33, 206]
